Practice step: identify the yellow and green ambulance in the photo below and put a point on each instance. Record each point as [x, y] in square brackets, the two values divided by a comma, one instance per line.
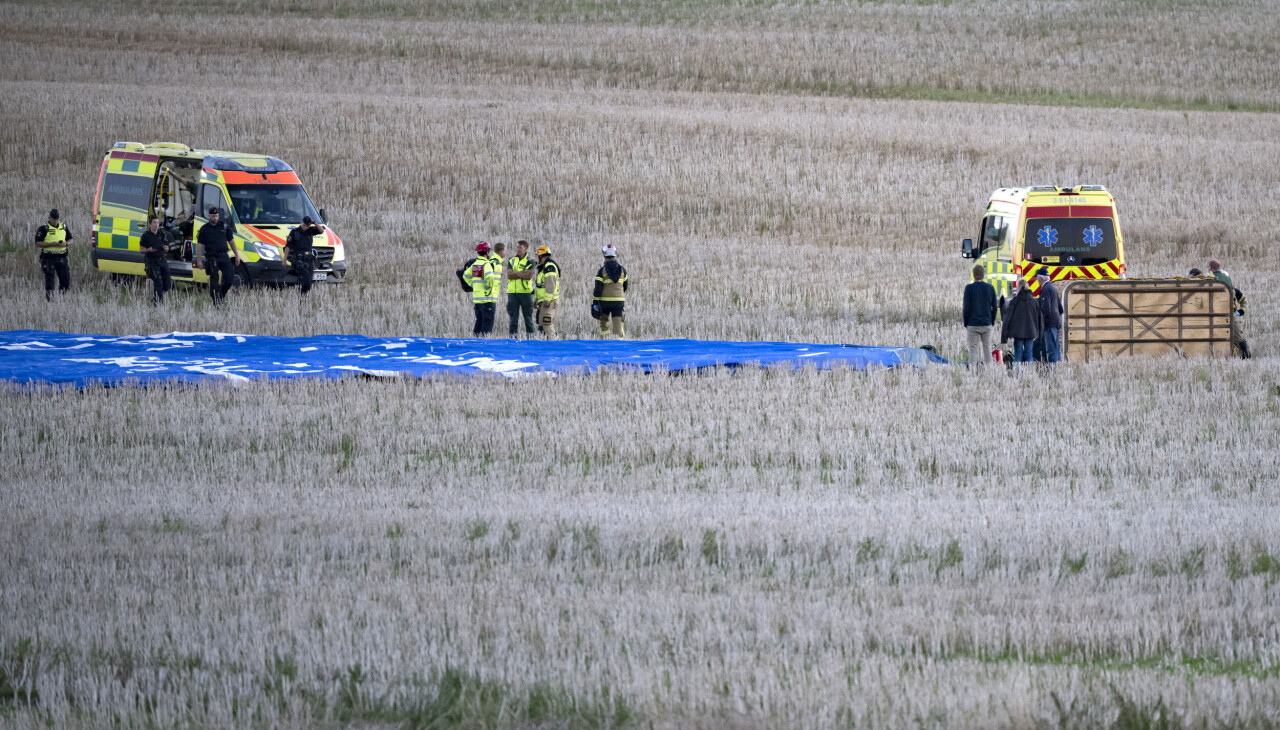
[261, 195]
[1072, 232]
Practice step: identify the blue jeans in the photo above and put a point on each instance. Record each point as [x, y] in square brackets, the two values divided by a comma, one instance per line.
[1050, 340]
[1022, 350]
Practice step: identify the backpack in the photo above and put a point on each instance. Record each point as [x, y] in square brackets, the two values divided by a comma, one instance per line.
[462, 276]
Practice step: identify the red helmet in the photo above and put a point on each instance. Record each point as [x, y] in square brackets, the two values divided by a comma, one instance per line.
[482, 247]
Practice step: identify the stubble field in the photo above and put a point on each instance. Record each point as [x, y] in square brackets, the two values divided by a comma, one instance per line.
[1094, 547]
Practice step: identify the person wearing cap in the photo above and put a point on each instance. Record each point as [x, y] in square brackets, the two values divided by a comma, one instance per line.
[217, 246]
[298, 251]
[155, 250]
[609, 298]
[52, 239]
[979, 317]
[520, 273]
[546, 292]
[485, 286]
[1051, 309]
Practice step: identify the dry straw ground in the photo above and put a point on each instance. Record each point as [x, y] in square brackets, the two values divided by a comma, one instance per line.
[1096, 547]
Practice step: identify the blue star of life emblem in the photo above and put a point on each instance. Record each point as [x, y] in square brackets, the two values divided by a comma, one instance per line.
[1093, 235]
[1047, 236]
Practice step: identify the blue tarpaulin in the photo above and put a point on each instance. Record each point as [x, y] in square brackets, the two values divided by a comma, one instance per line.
[34, 356]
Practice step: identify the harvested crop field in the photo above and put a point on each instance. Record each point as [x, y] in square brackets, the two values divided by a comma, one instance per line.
[1091, 547]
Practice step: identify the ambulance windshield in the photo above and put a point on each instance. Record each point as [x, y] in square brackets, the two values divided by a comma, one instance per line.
[1070, 241]
[268, 204]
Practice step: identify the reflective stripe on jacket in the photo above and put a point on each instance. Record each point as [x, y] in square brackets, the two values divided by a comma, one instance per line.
[611, 283]
[547, 283]
[485, 281]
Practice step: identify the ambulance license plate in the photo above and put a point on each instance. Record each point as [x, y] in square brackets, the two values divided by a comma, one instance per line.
[319, 276]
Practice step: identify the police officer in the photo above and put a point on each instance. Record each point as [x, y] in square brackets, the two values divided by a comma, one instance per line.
[155, 251]
[485, 285]
[217, 243]
[610, 295]
[52, 239]
[299, 252]
[520, 298]
[546, 292]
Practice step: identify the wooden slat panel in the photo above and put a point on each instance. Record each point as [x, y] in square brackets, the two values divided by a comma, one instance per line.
[1149, 317]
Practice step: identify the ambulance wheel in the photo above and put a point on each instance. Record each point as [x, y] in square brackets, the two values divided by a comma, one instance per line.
[241, 276]
[121, 279]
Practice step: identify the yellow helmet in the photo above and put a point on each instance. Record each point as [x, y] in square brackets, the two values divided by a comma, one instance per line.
[543, 251]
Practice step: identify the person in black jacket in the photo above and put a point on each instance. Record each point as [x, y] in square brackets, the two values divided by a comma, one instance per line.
[52, 239]
[1051, 309]
[217, 244]
[300, 252]
[979, 317]
[155, 250]
[1023, 322]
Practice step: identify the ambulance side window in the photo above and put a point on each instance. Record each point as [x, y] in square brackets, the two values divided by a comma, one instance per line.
[993, 231]
[211, 195]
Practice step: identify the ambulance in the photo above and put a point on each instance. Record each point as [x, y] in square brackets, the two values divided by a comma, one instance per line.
[261, 195]
[1072, 232]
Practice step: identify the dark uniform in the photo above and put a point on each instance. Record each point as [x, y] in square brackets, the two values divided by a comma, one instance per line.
[301, 252]
[157, 264]
[53, 260]
[216, 240]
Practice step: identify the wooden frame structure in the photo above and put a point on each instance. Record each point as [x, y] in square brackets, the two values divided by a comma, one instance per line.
[1153, 317]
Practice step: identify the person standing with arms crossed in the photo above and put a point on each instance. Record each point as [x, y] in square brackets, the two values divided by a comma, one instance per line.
[52, 239]
[217, 245]
[546, 292]
[155, 251]
[298, 251]
[609, 298]
[520, 273]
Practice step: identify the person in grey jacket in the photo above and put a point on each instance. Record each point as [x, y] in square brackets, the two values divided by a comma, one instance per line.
[1051, 308]
[1023, 322]
[979, 317]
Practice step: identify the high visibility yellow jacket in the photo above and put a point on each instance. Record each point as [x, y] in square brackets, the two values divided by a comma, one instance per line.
[520, 286]
[53, 234]
[485, 282]
[497, 269]
[547, 283]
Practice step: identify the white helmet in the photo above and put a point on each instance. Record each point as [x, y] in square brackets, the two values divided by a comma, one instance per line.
[609, 251]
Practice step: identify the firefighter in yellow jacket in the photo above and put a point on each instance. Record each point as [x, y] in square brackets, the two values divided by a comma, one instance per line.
[546, 292]
[610, 294]
[52, 239]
